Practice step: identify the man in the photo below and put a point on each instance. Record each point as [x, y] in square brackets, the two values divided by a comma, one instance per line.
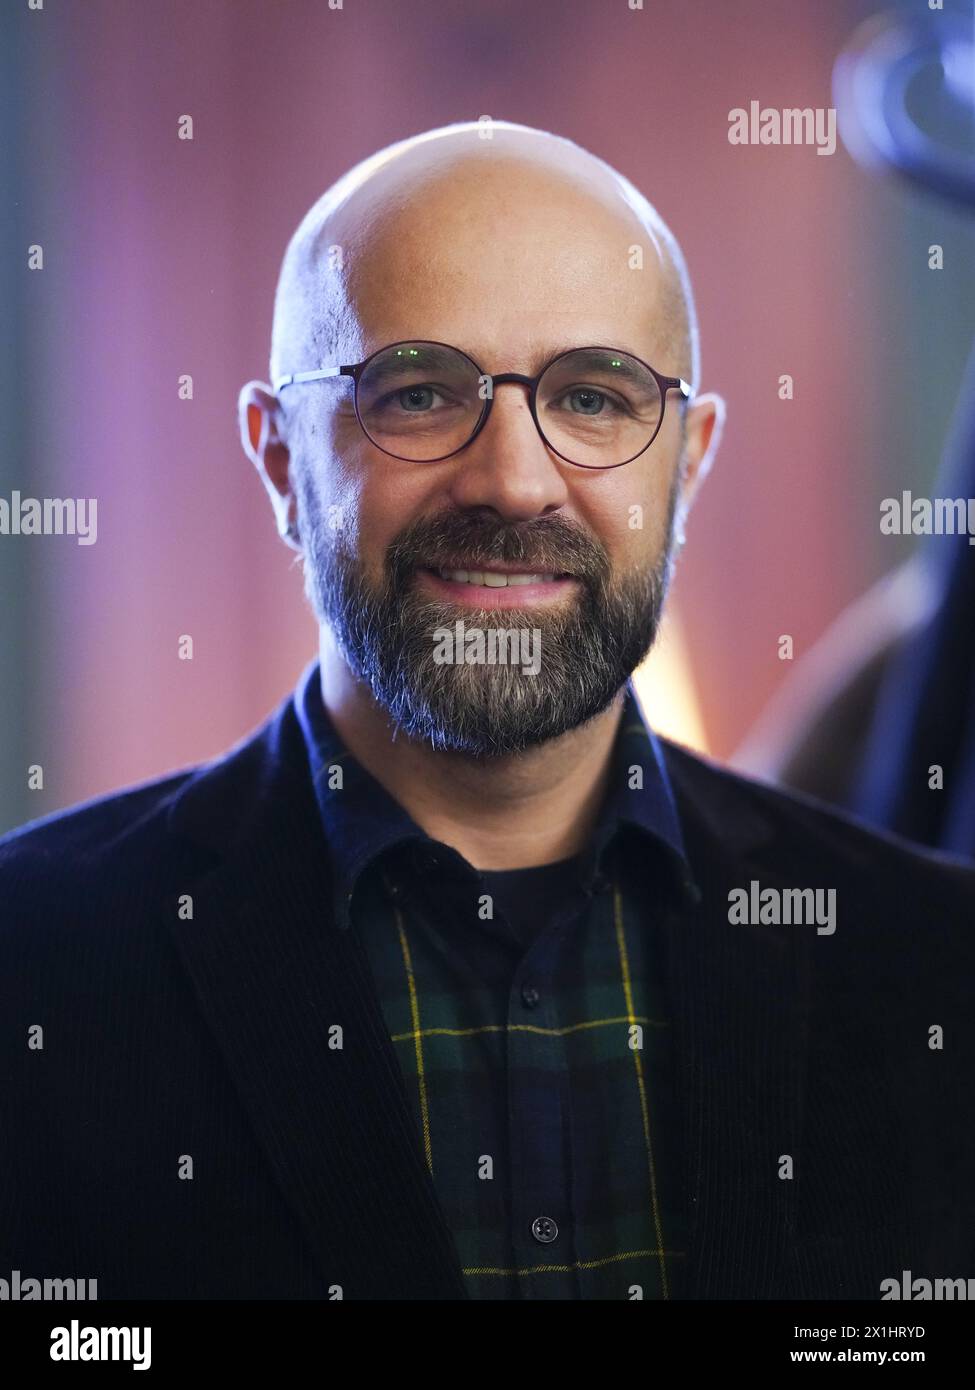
[454, 980]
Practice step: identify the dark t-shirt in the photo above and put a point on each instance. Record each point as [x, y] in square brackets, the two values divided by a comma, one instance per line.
[533, 898]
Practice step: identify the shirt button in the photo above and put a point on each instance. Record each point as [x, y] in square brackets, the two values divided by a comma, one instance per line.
[529, 996]
[544, 1230]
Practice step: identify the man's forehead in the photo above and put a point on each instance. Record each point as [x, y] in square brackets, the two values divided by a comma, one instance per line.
[496, 217]
[535, 273]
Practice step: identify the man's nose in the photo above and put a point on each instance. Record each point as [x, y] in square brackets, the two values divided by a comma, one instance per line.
[509, 467]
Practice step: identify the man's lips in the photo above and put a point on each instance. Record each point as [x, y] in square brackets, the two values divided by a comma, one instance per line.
[496, 586]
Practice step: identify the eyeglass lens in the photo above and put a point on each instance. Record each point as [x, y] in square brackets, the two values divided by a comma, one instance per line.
[422, 401]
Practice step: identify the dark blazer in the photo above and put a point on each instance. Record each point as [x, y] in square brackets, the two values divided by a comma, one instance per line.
[166, 1037]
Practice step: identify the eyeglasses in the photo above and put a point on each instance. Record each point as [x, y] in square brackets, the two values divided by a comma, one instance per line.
[595, 407]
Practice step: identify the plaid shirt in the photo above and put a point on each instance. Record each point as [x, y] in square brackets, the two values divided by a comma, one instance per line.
[539, 1069]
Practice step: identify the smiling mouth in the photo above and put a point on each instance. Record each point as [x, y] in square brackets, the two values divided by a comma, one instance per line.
[495, 578]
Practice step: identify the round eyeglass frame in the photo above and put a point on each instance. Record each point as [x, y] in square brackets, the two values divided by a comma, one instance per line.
[356, 369]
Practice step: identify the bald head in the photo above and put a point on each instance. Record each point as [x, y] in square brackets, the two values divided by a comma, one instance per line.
[448, 229]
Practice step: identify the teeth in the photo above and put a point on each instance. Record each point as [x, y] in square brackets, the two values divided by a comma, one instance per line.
[493, 580]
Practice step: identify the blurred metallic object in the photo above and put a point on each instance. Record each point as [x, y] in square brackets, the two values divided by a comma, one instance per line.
[872, 82]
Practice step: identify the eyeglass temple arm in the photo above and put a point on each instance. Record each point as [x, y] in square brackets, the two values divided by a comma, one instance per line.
[296, 378]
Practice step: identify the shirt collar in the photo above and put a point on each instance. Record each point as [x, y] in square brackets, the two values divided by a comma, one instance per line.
[362, 822]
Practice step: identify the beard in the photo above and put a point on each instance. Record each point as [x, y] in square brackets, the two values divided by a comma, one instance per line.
[590, 642]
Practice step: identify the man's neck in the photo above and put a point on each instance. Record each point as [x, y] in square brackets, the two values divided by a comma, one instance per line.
[530, 808]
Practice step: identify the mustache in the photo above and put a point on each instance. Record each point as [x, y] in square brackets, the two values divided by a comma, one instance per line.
[546, 545]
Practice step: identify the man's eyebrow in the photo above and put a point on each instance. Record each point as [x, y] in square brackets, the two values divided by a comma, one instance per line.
[624, 368]
[582, 345]
[597, 357]
[413, 357]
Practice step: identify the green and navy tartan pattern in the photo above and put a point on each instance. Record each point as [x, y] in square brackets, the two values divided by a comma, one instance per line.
[540, 1078]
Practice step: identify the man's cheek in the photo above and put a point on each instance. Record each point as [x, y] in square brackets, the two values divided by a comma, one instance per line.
[333, 518]
[340, 515]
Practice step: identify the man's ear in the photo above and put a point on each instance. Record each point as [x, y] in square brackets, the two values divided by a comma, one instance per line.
[705, 424]
[263, 441]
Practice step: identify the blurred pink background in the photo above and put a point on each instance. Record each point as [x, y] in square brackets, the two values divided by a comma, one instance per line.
[161, 257]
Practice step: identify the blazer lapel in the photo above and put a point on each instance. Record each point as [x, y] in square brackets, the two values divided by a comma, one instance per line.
[291, 1004]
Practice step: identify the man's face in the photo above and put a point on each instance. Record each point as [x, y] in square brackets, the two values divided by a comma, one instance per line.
[511, 271]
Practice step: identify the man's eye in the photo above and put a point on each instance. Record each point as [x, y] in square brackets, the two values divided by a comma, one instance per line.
[587, 400]
[415, 400]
